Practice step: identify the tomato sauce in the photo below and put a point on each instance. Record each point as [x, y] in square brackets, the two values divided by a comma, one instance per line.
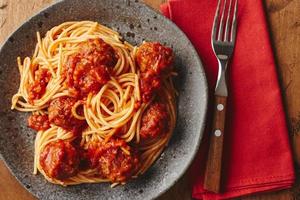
[154, 121]
[149, 84]
[38, 88]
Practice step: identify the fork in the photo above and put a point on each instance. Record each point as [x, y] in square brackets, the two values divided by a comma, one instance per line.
[223, 42]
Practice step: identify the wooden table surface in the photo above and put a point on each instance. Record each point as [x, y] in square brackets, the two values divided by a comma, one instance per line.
[284, 21]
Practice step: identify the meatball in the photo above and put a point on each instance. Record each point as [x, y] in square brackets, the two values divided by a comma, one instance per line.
[38, 122]
[155, 61]
[112, 161]
[59, 160]
[60, 113]
[155, 57]
[154, 121]
[38, 88]
[90, 69]
[99, 53]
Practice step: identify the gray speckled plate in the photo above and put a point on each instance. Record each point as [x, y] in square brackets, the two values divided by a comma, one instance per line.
[135, 22]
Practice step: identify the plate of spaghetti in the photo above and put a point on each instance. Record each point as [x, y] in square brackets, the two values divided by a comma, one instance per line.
[108, 103]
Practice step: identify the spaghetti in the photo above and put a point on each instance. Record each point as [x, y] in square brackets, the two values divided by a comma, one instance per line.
[103, 108]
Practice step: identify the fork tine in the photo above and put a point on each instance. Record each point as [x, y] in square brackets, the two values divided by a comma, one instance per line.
[226, 35]
[233, 26]
[216, 22]
[221, 22]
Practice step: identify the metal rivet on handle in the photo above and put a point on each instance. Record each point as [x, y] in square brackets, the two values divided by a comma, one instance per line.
[218, 133]
[220, 107]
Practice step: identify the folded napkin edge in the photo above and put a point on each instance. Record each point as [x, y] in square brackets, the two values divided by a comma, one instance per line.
[236, 192]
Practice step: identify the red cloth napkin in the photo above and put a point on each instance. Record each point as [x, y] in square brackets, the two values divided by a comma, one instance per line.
[257, 154]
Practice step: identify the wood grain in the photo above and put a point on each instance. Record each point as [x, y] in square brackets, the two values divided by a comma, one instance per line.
[284, 20]
[212, 178]
[10, 189]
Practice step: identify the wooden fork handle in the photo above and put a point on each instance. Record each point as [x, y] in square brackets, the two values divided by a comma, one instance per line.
[212, 177]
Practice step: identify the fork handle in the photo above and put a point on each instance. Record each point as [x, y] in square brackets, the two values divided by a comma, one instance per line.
[212, 177]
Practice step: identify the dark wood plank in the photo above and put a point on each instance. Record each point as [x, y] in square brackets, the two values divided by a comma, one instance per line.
[10, 188]
[284, 23]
